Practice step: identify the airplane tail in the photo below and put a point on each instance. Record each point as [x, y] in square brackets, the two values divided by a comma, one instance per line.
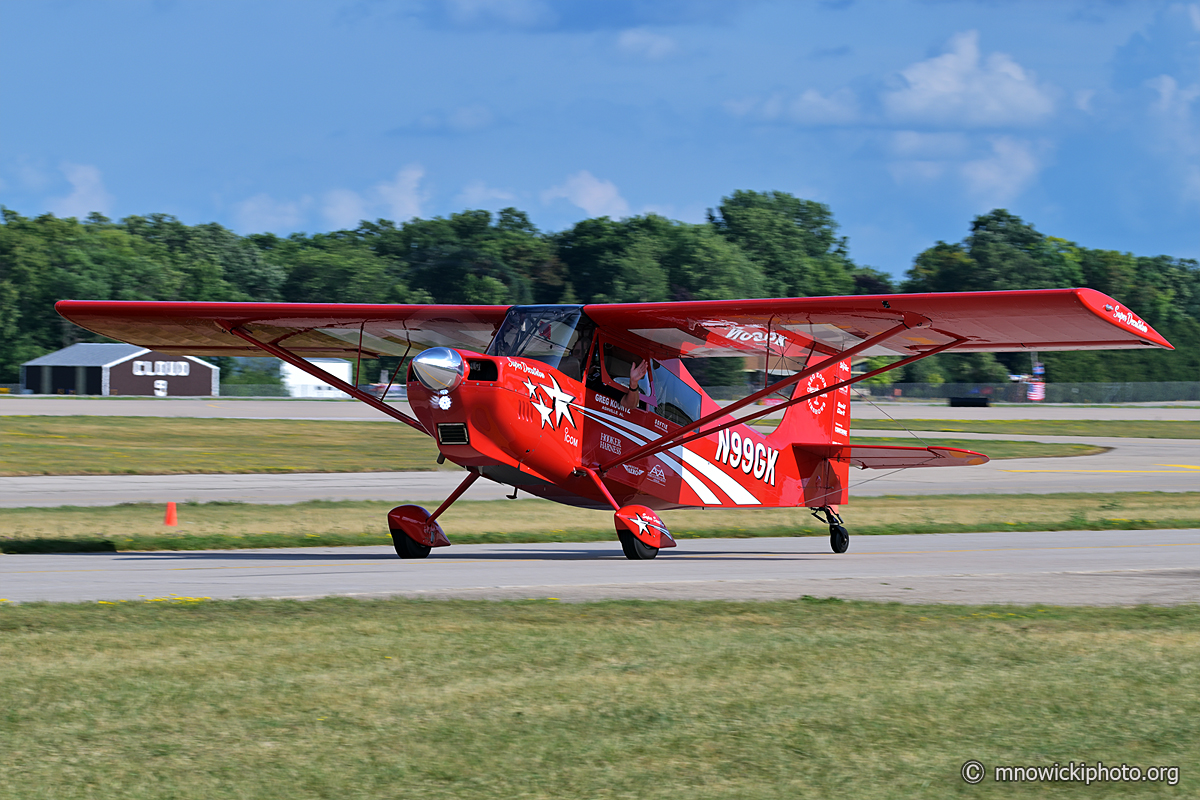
[818, 432]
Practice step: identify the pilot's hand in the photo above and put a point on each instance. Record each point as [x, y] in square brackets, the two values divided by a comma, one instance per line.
[637, 373]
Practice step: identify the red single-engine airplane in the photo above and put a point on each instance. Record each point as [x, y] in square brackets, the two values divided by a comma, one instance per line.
[592, 405]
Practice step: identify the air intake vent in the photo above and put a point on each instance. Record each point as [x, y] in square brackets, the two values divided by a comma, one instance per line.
[452, 433]
[482, 369]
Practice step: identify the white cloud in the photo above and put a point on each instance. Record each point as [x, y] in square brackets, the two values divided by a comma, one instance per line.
[1000, 177]
[343, 209]
[87, 193]
[647, 44]
[263, 213]
[810, 107]
[598, 198]
[478, 194]
[460, 120]
[961, 88]
[915, 144]
[402, 197]
[399, 199]
[813, 108]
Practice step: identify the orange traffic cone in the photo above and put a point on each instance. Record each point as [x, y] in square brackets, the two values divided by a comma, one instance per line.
[171, 519]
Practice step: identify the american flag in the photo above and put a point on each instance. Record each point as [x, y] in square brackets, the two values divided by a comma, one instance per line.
[1037, 391]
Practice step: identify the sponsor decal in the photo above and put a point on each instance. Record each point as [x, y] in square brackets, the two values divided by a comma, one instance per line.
[741, 452]
[637, 473]
[529, 368]
[840, 429]
[816, 383]
[1130, 319]
[737, 333]
[841, 408]
[658, 475]
[610, 443]
[661, 425]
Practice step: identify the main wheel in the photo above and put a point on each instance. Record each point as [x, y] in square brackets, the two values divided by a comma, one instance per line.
[635, 548]
[407, 548]
[839, 538]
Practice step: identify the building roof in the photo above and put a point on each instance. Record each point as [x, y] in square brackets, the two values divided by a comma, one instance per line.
[92, 354]
[86, 354]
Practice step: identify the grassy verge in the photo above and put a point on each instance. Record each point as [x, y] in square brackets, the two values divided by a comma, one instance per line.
[167, 446]
[400, 698]
[1145, 429]
[322, 523]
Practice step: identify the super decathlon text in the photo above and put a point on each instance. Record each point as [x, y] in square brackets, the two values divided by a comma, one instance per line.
[740, 452]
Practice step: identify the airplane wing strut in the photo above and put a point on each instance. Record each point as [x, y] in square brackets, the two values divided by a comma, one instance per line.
[682, 437]
[312, 369]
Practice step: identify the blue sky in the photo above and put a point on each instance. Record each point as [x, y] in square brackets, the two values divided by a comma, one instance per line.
[907, 118]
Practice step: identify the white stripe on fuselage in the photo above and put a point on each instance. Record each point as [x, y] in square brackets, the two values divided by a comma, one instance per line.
[727, 484]
[736, 492]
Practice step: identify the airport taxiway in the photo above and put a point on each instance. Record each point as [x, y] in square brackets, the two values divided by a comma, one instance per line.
[1065, 567]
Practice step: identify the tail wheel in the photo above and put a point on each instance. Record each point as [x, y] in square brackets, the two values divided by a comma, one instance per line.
[406, 547]
[839, 538]
[634, 548]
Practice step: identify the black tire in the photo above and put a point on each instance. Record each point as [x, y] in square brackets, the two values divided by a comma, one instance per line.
[634, 548]
[839, 538]
[407, 548]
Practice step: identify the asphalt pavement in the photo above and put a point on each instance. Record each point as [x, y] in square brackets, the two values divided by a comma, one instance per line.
[1064, 567]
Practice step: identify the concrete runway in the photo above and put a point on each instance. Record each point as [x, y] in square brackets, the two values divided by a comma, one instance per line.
[1067, 567]
[235, 408]
[1167, 465]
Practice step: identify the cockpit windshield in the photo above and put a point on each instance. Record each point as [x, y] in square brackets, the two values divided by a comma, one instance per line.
[558, 336]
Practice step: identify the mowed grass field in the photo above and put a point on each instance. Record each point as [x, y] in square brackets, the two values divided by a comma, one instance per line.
[354, 699]
[86, 445]
[323, 523]
[1145, 429]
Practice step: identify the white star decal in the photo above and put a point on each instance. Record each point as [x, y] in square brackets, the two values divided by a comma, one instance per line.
[544, 410]
[643, 523]
[562, 402]
[531, 387]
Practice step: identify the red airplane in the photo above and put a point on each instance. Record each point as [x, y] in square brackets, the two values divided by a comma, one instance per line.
[593, 406]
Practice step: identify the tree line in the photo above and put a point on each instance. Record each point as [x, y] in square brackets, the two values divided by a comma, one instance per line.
[754, 244]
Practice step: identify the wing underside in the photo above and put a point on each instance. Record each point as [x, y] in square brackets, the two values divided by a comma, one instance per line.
[306, 329]
[786, 330]
[790, 330]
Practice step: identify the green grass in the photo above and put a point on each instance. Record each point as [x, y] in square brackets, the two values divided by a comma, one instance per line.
[350, 699]
[1146, 429]
[323, 523]
[164, 446]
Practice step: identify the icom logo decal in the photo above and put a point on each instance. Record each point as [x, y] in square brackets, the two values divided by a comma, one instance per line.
[741, 452]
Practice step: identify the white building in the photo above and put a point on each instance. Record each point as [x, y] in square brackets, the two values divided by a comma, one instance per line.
[301, 384]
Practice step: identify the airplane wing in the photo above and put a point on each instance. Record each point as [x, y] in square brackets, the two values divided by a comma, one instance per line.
[792, 328]
[306, 329]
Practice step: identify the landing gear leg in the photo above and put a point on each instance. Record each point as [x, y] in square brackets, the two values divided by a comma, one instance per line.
[839, 537]
[415, 531]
